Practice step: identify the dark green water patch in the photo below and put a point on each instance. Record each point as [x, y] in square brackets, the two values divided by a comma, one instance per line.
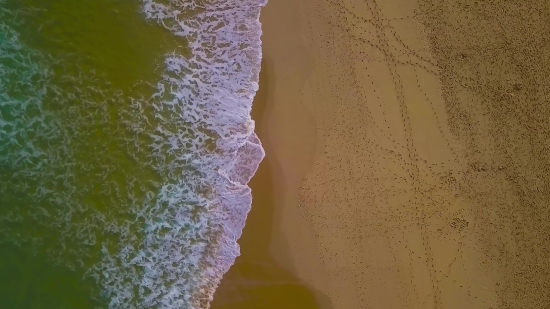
[74, 160]
[29, 282]
[109, 36]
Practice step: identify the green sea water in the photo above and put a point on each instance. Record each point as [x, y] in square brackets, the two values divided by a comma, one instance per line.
[72, 161]
[125, 150]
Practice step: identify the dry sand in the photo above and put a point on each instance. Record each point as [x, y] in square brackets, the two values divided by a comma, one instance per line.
[407, 161]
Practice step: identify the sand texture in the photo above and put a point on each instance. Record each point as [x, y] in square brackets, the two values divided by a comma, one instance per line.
[407, 147]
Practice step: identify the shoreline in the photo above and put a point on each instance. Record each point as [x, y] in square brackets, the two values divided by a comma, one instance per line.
[266, 273]
[256, 279]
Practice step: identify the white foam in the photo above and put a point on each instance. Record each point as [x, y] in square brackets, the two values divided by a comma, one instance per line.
[165, 243]
[214, 89]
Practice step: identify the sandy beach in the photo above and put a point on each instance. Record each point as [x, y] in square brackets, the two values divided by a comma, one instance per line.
[406, 162]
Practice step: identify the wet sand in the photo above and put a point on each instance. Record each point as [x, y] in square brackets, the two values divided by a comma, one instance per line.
[406, 161]
[256, 280]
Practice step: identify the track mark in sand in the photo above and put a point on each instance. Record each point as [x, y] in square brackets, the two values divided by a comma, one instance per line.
[402, 191]
[383, 24]
[436, 117]
[412, 153]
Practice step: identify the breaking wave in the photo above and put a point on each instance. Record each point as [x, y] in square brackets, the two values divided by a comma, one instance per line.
[144, 192]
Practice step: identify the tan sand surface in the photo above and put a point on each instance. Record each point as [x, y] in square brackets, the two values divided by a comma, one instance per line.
[407, 147]
[256, 281]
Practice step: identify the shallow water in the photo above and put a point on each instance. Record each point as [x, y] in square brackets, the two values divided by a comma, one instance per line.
[75, 64]
[124, 153]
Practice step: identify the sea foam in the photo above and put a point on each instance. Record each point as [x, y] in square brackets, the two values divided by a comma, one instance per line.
[199, 214]
[212, 92]
[161, 241]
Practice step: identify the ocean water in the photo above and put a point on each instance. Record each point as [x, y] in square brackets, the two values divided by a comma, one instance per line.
[126, 146]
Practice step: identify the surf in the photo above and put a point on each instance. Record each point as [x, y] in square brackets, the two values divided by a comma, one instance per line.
[143, 188]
